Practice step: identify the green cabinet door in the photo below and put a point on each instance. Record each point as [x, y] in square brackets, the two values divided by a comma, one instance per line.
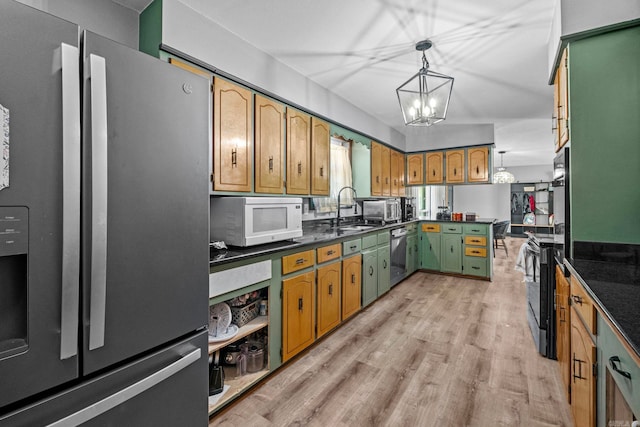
[369, 276]
[430, 251]
[384, 269]
[451, 250]
[411, 252]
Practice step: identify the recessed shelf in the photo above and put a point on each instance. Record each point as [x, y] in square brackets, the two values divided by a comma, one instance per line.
[251, 327]
[236, 386]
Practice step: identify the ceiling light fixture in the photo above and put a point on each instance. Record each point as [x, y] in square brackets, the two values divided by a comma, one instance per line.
[503, 176]
[424, 98]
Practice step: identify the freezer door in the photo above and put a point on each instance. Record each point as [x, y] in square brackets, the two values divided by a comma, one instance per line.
[39, 245]
[166, 388]
[145, 202]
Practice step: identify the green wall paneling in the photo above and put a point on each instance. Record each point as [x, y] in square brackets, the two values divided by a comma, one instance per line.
[604, 119]
[150, 29]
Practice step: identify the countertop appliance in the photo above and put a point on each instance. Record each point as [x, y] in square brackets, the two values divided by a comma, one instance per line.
[561, 207]
[398, 255]
[103, 249]
[248, 221]
[383, 211]
[408, 207]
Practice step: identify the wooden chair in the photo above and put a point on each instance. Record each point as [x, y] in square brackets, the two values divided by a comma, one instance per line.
[499, 233]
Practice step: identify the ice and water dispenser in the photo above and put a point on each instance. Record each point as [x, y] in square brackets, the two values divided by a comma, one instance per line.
[14, 246]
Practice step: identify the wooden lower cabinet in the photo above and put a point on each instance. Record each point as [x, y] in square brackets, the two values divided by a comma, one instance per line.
[583, 377]
[563, 330]
[351, 285]
[298, 314]
[328, 299]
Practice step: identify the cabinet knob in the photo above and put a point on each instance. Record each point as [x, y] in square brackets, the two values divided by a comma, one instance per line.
[300, 304]
[353, 278]
[370, 270]
[270, 164]
[234, 157]
[321, 170]
[330, 288]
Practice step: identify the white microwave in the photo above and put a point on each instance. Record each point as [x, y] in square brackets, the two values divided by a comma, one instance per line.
[248, 221]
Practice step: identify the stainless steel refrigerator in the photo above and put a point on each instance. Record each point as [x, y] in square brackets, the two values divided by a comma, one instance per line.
[103, 230]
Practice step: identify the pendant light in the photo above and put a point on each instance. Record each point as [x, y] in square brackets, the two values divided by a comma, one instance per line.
[424, 98]
[503, 176]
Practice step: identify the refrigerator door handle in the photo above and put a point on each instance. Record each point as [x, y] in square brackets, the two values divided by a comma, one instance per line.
[70, 298]
[99, 160]
[129, 392]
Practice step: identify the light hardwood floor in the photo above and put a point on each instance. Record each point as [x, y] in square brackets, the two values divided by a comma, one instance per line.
[435, 351]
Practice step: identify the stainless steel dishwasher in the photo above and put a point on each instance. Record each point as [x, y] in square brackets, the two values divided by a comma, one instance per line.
[398, 254]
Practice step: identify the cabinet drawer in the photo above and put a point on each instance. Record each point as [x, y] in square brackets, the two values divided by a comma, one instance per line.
[614, 353]
[475, 240]
[351, 247]
[473, 251]
[327, 253]
[474, 266]
[384, 237]
[295, 262]
[583, 304]
[431, 228]
[369, 241]
[452, 228]
[475, 229]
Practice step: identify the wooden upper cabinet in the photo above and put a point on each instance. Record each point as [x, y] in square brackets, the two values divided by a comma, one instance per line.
[385, 167]
[415, 163]
[232, 137]
[269, 146]
[376, 169]
[394, 173]
[298, 152]
[478, 164]
[455, 166]
[433, 171]
[191, 68]
[320, 163]
[401, 159]
[561, 93]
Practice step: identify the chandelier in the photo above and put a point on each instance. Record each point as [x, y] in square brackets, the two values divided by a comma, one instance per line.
[503, 176]
[424, 98]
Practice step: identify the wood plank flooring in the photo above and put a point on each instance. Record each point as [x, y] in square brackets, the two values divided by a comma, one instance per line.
[435, 351]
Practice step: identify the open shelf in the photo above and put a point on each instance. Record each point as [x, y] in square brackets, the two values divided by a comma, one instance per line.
[236, 386]
[251, 327]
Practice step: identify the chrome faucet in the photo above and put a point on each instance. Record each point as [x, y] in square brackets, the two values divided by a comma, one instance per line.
[355, 195]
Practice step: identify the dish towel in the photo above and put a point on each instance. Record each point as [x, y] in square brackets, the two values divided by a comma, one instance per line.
[526, 263]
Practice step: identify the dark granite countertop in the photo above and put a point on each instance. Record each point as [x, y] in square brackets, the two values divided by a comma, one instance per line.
[615, 287]
[477, 221]
[315, 233]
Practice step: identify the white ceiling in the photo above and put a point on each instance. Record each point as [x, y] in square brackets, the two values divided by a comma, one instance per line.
[363, 50]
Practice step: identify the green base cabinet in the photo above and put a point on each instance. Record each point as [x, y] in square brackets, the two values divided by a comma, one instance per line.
[451, 251]
[430, 251]
[474, 266]
[369, 276]
[412, 254]
[384, 269]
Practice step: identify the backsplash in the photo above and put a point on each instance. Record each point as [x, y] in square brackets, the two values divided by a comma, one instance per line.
[621, 253]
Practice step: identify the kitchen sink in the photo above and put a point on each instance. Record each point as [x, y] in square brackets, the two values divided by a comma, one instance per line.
[356, 227]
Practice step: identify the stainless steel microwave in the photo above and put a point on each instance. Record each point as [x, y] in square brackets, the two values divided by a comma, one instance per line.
[248, 221]
[384, 211]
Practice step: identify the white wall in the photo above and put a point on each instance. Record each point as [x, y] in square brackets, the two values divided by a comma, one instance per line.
[195, 35]
[576, 16]
[102, 17]
[538, 173]
[486, 200]
[448, 136]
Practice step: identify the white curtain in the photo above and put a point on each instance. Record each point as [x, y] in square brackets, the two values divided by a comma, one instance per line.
[340, 177]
